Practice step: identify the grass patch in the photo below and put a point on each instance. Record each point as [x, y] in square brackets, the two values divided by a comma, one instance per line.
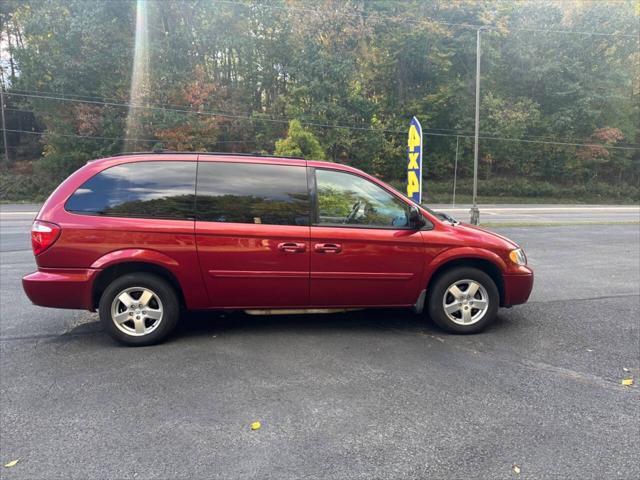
[524, 190]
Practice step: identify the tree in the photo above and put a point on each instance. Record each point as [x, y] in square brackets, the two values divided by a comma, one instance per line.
[299, 143]
[226, 76]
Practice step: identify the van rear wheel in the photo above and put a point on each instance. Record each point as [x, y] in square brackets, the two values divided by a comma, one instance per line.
[464, 300]
[139, 309]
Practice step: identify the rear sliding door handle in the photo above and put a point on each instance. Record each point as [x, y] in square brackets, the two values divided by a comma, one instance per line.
[327, 247]
[292, 247]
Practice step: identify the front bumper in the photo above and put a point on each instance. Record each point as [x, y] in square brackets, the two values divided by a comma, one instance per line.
[517, 286]
[61, 287]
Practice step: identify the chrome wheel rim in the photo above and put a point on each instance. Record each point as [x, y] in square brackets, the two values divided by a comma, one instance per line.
[136, 311]
[465, 302]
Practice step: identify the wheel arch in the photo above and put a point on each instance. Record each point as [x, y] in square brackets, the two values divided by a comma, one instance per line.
[483, 264]
[115, 270]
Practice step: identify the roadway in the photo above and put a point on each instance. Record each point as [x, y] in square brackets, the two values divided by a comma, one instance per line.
[369, 394]
[546, 214]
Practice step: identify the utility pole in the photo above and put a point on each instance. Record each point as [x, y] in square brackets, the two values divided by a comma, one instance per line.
[4, 127]
[475, 212]
[455, 173]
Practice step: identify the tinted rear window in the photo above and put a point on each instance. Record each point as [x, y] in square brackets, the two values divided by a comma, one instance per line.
[142, 189]
[252, 193]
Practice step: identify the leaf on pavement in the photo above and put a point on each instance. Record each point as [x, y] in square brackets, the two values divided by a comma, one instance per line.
[255, 425]
[627, 382]
[12, 463]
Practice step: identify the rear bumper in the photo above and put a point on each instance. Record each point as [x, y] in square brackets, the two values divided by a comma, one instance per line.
[61, 288]
[517, 287]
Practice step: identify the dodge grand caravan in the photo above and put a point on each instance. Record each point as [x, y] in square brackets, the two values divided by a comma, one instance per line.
[142, 237]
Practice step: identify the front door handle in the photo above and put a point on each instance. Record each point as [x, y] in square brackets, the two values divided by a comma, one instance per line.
[327, 247]
[292, 247]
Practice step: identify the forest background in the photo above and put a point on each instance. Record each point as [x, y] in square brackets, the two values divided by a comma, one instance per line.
[339, 80]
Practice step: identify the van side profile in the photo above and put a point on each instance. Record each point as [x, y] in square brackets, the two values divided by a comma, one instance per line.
[142, 237]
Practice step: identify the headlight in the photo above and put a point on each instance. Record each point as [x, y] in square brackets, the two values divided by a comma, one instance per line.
[518, 257]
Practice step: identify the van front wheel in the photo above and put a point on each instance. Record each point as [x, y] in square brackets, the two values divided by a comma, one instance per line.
[139, 309]
[463, 300]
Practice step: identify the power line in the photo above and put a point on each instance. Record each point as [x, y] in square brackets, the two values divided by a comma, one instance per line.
[321, 125]
[431, 131]
[212, 114]
[147, 107]
[170, 107]
[81, 136]
[574, 32]
[258, 119]
[611, 147]
[76, 135]
[161, 108]
[432, 20]
[107, 100]
[343, 14]
[166, 106]
[558, 143]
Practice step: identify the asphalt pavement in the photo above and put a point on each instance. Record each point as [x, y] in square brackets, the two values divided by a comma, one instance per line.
[369, 394]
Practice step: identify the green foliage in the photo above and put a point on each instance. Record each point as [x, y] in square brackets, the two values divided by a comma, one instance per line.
[299, 143]
[530, 190]
[230, 76]
[20, 187]
[55, 167]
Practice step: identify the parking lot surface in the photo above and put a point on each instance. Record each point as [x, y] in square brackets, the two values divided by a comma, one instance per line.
[369, 394]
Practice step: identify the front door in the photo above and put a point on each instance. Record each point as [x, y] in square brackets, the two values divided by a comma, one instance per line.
[363, 252]
[252, 234]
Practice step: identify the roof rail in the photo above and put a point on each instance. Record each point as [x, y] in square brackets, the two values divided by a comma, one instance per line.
[230, 154]
[151, 152]
[252, 154]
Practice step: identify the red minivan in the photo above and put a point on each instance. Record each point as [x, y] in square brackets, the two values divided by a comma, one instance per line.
[142, 237]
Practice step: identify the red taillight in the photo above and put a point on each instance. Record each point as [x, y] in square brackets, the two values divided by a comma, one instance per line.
[43, 235]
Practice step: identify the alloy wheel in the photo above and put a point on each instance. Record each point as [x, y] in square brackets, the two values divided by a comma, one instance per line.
[137, 311]
[465, 302]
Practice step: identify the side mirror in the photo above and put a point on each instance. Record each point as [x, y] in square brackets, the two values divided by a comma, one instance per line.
[415, 218]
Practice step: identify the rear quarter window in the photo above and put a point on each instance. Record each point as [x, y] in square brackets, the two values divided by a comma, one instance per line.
[140, 189]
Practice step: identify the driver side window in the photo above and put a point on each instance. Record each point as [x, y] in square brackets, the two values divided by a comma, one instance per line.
[346, 199]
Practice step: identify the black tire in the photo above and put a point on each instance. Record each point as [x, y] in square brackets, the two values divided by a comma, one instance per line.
[165, 300]
[437, 294]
